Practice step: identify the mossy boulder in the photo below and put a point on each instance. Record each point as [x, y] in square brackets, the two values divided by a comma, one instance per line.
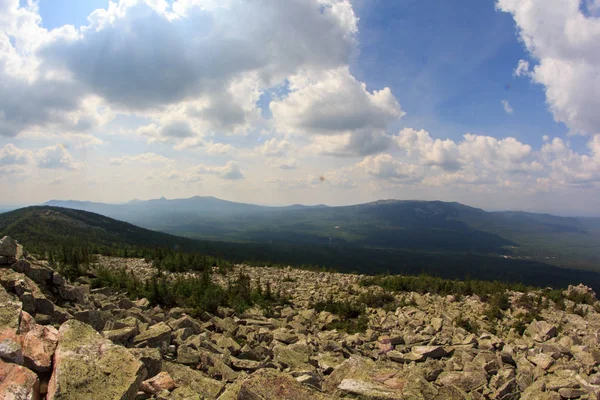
[195, 380]
[88, 366]
[274, 385]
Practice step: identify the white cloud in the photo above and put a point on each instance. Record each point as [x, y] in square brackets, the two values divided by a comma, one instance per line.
[385, 166]
[55, 157]
[275, 148]
[441, 153]
[522, 69]
[171, 130]
[146, 158]
[569, 167]
[333, 102]
[231, 170]
[566, 45]
[351, 144]
[218, 148]
[11, 155]
[486, 162]
[507, 107]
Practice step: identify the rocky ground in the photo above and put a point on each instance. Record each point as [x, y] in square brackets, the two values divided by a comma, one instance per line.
[61, 340]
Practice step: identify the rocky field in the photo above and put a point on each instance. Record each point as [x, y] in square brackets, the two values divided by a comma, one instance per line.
[65, 340]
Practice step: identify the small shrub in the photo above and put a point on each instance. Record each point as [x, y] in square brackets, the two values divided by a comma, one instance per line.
[466, 324]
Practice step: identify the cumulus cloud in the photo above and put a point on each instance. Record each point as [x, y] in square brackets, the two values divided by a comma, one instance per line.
[146, 158]
[143, 56]
[385, 166]
[55, 157]
[171, 130]
[484, 160]
[570, 167]
[231, 170]
[441, 153]
[218, 148]
[333, 102]
[566, 45]
[351, 144]
[507, 107]
[12, 155]
[275, 148]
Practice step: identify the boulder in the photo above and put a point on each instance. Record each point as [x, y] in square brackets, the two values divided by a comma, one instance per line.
[9, 248]
[369, 390]
[96, 319]
[291, 356]
[158, 335]
[540, 331]
[464, 380]
[285, 337]
[10, 311]
[274, 385]
[39, 274]
[18, 383]
[429, 351]
[185, 322]
[72, 293]
[158, 383]
[88, 366]
[151, 359]
[11, 349]
[39, 345]
[120, 336]
[195, 380]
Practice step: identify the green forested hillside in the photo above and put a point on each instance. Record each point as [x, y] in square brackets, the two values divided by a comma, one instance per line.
[44, 228]
[422, 226]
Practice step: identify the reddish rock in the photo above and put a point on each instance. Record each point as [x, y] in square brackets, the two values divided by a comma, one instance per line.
[39, 345]
[18, 383]
[158, 383]
[10, 346]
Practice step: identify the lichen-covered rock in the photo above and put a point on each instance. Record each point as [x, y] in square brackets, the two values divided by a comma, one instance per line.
[150, 357]
[291, 356]
[10, 311]
[120, 336]
[96, 319]
[273, 385]
[18, 383]
[195, 380]
[88, 366]
[464, 380]
[158, 335]
[540, 331]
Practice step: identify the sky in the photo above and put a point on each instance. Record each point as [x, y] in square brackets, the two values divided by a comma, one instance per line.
[491, 103]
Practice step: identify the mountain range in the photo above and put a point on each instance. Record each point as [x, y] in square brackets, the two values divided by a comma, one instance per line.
[429, 226]
[42, 228]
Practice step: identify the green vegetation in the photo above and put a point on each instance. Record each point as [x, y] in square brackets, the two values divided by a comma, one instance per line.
[198, 294]
[423, 226]
[352, 315]
[429, 284]
[45, 230]
[466, 324]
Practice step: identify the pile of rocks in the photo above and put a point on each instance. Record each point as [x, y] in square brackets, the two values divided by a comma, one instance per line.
[66, 341]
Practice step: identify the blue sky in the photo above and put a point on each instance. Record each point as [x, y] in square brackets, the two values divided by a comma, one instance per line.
[257, 101]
